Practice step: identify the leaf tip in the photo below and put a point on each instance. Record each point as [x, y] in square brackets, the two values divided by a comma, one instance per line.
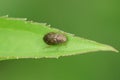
[109, 48]
[113, 49]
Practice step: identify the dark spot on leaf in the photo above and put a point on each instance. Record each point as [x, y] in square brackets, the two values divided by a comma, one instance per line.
[53, 38]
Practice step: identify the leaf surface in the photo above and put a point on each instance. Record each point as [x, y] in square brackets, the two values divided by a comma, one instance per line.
[24, 39]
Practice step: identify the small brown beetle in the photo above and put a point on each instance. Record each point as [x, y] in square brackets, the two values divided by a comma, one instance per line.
[53, 38]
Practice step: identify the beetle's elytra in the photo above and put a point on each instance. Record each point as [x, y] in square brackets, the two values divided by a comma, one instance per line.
[53, 38]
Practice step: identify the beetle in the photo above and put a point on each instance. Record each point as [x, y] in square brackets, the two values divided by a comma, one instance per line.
[53, 38]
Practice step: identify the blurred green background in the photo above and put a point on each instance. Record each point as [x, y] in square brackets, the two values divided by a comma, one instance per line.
[97, 20]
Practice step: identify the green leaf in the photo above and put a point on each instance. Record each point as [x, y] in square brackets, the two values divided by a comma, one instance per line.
[24, 39]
